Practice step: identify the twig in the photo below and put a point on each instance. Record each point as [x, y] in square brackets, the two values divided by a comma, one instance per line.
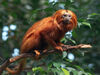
[27, 55]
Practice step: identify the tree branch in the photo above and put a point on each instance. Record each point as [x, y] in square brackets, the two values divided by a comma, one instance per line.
[45, 52]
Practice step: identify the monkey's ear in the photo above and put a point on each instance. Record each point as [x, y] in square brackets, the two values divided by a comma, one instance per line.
[57, 18]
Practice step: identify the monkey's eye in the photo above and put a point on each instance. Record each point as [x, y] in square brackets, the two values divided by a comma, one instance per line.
[64, 15]
[69, 15]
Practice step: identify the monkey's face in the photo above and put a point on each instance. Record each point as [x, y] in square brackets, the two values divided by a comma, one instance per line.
[66, 18]
[63, 16]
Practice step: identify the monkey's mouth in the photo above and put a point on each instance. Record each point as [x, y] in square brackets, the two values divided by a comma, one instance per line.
[66, 21]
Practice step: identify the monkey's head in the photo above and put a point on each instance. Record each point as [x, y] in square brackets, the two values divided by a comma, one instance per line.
[66, 17]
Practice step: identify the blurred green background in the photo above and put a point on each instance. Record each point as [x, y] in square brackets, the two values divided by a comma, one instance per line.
[16, 16]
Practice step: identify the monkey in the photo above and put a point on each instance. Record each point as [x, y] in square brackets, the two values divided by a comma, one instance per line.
[46, 32]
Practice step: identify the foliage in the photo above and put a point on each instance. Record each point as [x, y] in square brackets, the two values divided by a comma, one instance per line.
[23, 13]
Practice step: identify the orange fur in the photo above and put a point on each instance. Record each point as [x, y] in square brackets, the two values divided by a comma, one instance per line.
[48, 32]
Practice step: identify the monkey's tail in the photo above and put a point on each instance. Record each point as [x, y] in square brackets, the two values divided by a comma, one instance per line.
[20, 68]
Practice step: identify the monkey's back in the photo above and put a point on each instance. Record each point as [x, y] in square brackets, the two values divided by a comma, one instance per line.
[32, 39]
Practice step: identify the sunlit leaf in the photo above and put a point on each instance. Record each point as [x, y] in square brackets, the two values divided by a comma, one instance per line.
[93, 14]
[87, 24]
[64, 54]
[66, 72]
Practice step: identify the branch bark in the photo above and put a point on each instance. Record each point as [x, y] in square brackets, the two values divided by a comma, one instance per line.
[46, 52]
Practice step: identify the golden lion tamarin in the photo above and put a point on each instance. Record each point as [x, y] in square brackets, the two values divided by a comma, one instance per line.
[47, 32]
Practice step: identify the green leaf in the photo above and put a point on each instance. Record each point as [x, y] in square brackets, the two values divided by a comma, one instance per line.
[56, 71]
[78, 67]
[82, 73]
[82, 53]
[38, 69]
[55, 64]
[87, 24]
[81, 20]
[28, 73]
[75, 72]
[64, 54]
[70, 69]
[93, 14]
[65, 71]
[71, 0]
[79, 24]
[68, 60]
[73, 41]
[63, 40]
[5, 3]
[89, 74]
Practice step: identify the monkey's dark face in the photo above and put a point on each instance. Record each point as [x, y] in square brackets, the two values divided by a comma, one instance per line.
[66, 17]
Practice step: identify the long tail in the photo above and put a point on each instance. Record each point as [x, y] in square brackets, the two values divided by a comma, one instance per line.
[20, 68]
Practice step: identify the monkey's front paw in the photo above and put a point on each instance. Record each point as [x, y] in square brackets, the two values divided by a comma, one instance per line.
[59, 48]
